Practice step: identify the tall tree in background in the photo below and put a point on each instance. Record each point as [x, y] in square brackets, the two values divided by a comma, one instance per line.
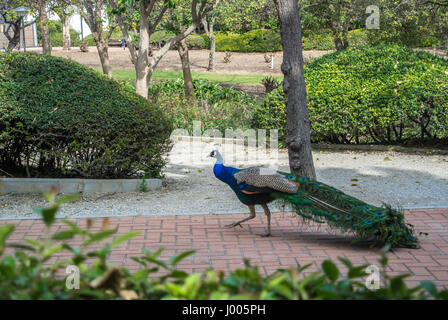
[411, 22]
[298, 138]
[94, 13]
[208, 27]
[65, 10]
[176, 21]
[42, 7]
[150, 14]
[334, 15]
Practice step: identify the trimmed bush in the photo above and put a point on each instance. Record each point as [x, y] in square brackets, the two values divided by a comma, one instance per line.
[195, 41]
[261, 40]
[59, 118]
[384, 94]
[161, 37]
[266, 40]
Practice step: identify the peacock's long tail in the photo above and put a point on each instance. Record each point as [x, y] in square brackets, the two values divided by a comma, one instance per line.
[322, 203]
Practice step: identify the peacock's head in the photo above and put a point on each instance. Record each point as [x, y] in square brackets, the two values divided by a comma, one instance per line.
[214, 154]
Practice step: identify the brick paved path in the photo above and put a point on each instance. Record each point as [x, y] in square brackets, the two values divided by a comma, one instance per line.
[291, 243]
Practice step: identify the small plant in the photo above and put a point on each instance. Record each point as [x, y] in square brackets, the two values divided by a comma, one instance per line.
[267, 58]
[143, 185]
[83, 47]
[227, 57]
[270, 84]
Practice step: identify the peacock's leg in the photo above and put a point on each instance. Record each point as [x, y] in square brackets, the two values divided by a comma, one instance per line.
[238, 223]
[268, 215]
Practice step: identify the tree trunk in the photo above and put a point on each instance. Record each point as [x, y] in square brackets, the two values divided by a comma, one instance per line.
[142, 68]
[93, 19]
[298, 138]
[211, 57]
[44, 30]
[14, 41]
[103, 52]
[212, 37]
[66, 41]
[182, 48]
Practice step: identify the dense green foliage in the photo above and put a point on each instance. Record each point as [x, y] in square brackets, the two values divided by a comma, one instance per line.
[59, 118]
[217, 107]
[266, 40]
[27, 273]
[415, 23]
[385, 94]
[253, 41]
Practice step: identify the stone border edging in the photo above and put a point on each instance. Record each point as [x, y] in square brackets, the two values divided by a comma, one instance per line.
[39, 185]
[377, 148]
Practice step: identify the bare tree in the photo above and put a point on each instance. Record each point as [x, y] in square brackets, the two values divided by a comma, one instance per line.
[151, 13]
[298, 139]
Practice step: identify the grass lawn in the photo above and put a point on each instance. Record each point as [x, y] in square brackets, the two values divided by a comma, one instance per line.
[212, 77]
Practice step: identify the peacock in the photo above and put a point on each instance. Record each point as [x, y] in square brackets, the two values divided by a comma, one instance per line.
[314, 201]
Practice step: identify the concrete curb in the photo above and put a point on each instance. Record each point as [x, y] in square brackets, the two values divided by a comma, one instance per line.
[38, 185]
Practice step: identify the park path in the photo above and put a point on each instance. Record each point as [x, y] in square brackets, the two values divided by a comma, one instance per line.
[291, 243]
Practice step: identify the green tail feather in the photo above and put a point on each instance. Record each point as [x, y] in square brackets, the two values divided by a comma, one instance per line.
[323, 203]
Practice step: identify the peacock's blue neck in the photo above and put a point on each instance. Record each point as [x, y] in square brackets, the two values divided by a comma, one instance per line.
[223, 173]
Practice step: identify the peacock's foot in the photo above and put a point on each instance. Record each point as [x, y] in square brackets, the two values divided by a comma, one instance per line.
[232, 225]
[263, 235]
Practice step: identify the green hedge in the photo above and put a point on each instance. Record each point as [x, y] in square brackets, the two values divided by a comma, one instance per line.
[60, 118]
[261, 40]
[385, 94]
[265, 40]
[28, 273]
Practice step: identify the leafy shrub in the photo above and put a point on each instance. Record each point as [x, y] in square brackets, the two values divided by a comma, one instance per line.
[318, 41]
[385, 94]
[261, 40]
[215, 106]
[270, 114]
[161, 37]
[195, 41]
[59, 118]
[266, 40]
[411, 35]
[28, 273]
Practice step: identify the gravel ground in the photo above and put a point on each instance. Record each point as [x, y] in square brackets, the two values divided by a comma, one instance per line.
[241, 62]
[404, 180]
